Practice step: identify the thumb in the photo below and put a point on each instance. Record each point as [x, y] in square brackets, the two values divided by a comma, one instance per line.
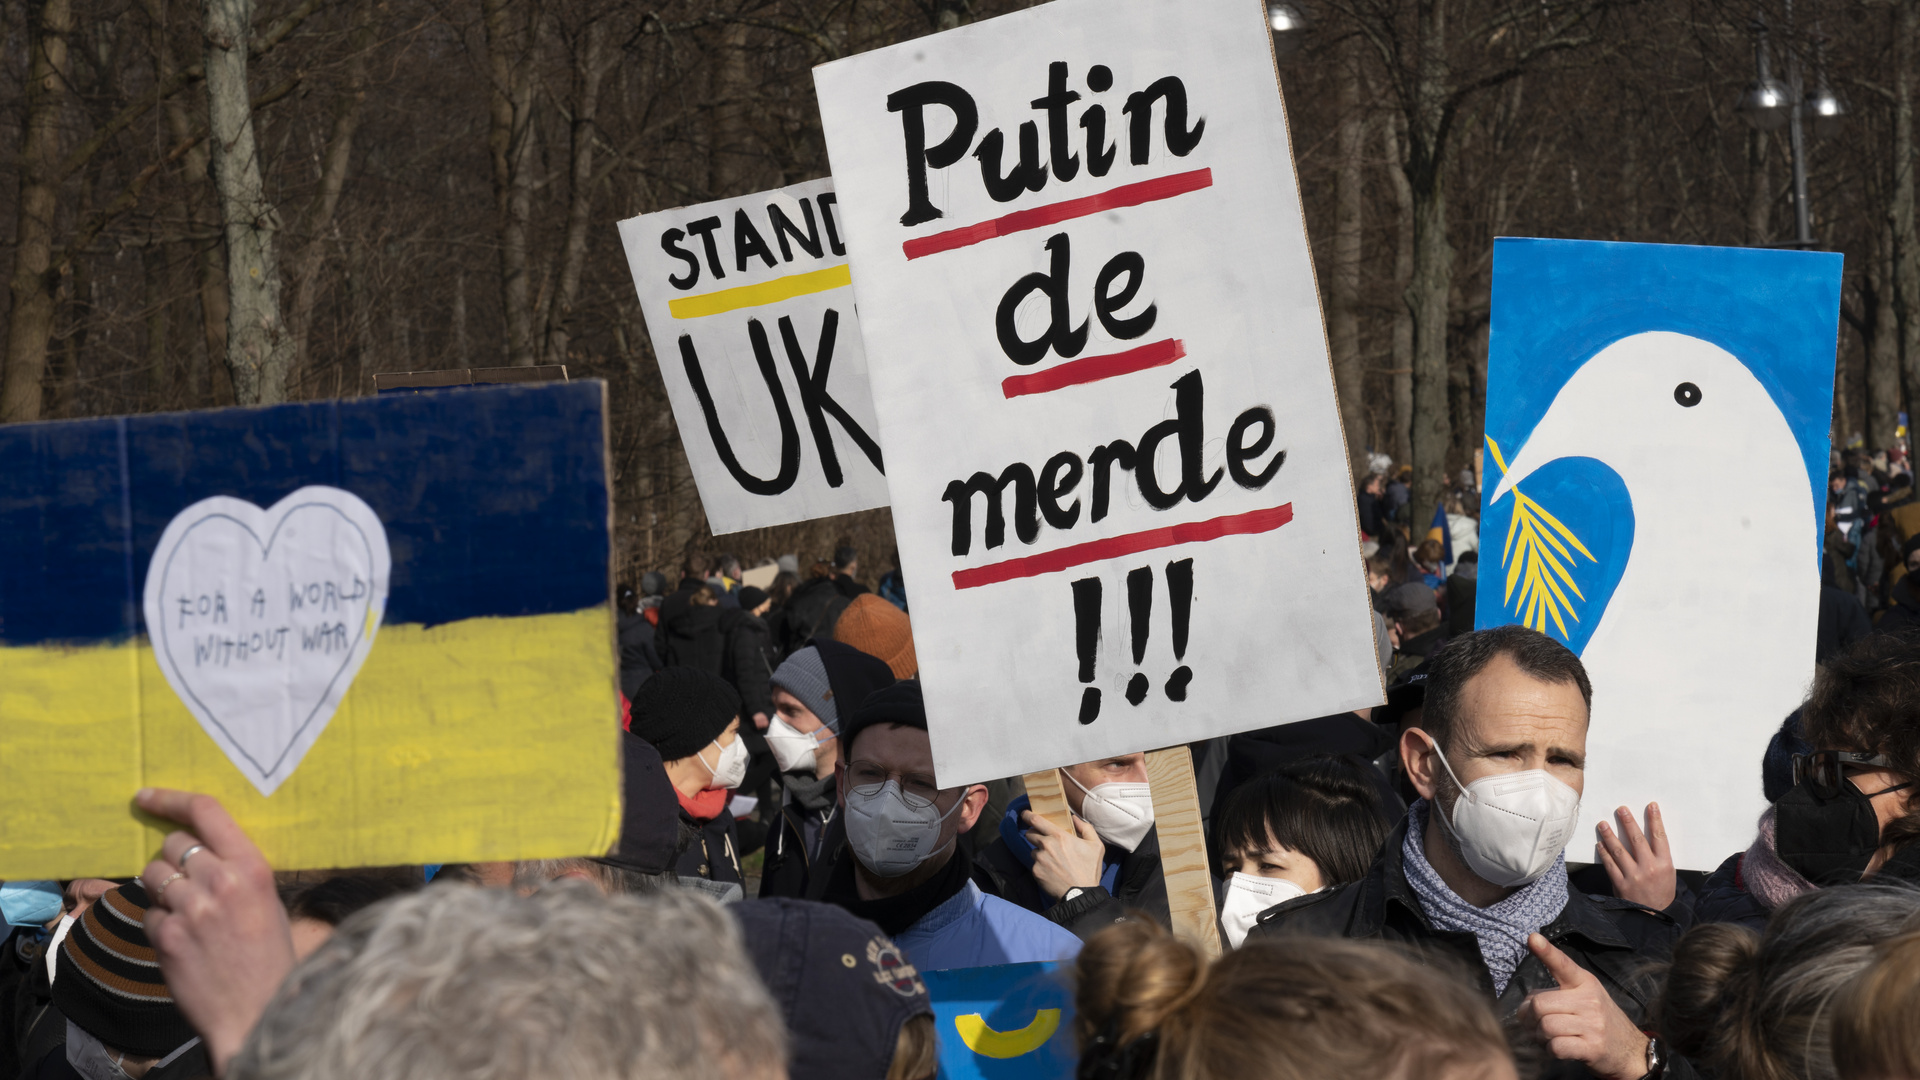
[1564, 971]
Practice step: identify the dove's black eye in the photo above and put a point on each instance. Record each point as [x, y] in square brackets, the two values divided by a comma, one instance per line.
[1687, 394]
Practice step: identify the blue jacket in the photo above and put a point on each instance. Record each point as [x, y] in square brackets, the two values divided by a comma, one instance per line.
[976, 930]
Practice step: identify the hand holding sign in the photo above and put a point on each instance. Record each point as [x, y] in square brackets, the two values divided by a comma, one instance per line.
[1580, 1022]
[261, 618]
[216, 920]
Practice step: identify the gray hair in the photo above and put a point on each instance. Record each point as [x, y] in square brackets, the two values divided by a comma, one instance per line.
[483, 984]
[1760, 1005]
[532, 874]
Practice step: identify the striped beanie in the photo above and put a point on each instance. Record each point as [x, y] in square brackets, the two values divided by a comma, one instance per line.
[107, 979]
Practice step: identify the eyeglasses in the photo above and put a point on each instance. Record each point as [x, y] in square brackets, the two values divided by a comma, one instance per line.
[1825, 771]
[918, 789]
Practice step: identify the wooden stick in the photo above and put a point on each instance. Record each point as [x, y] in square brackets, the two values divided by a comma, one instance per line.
[1048, 798]
[1183, 848]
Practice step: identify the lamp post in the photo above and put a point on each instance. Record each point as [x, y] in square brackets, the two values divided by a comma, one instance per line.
[1288, 24]
[1768, 103]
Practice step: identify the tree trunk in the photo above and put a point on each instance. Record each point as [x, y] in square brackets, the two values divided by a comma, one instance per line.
[510, 139]
[1402, 278]
[159, 376]
[259, 349]
[1432, 282]
[1906, 244]
[338, 156]
[1343, 276]
[1882, 341]
[32, 284]
[588, 73]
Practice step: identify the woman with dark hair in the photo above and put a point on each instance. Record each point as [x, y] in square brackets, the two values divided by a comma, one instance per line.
[1852, 813]
[1311, 825]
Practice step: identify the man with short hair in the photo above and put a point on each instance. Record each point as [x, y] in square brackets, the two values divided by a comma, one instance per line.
[1478, 871]
[1087, 878]
[903, 866]
[1417, 632]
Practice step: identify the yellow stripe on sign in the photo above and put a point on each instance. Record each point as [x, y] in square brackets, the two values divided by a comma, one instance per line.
[767, 292]
[985, 1041]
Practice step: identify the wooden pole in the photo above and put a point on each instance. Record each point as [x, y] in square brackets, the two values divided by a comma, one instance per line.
[1048, 798]
[1183, 848]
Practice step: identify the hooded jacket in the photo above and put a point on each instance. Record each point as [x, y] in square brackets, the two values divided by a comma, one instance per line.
[1614, 939]
[1129, 880]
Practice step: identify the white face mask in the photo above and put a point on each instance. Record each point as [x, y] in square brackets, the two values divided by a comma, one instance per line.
[1511, 826]
[794, 750]
[91, 1058]
[1120, 811]
[53, 947]
[1247, 896]
[890, 837]
[732, 767]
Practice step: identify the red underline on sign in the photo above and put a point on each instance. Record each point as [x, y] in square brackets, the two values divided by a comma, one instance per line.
[1094, 368]
[1040, 217]
[1116, 547]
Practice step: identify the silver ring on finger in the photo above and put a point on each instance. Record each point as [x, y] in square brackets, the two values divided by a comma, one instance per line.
[160, 891]
[181, 862]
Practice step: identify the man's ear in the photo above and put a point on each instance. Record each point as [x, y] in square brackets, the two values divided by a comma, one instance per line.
[1420, 761]
[972, 805]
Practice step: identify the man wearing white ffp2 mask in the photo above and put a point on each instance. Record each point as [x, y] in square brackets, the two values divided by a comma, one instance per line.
[903, 866]
[1106, 861]
[1477, 870]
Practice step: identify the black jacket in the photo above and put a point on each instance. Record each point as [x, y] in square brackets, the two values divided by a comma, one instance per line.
[26, 1002]
[1842, 622]
[749, 660]
[791, 859]
[1614, 939]
[812, 609]
[1903, 616]
[1139, 884]
[638, 659]
[715, 852]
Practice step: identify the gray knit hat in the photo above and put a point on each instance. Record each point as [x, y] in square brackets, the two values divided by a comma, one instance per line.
[805, 677]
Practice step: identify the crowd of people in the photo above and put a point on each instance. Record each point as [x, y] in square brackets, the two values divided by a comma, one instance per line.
[1399, 889]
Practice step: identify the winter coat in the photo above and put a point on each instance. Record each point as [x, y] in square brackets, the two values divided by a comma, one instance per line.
[973, 929]
[26, 1001]
[801, 840]
[1129, 880]
[1842, 622]
[749, 659]
[638, 658]
[1612, 938]
[1725, 898]
[715, 852]
[1903, 616]
[690, 636]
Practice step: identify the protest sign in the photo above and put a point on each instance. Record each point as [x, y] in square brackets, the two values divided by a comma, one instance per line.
[753, 324]
[1119, 481]
[1656, 477]
[378, 630]
[1009, 1022]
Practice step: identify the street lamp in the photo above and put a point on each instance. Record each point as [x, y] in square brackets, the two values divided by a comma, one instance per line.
[1767, 102]
[1288, 24]
[1825, 106]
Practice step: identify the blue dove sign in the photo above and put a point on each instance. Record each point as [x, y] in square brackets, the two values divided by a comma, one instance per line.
[1657, 445]
[1006, 1022]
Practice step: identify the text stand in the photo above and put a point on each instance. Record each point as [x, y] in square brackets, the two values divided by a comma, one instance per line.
[1183, 848]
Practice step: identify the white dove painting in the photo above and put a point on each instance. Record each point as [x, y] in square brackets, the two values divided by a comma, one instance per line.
[1656, 428]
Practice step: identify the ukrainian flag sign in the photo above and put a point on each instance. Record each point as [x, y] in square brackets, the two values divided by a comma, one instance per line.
[378, 630]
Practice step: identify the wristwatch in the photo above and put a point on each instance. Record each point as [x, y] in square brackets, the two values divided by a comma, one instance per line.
[1072, 893]
[1656, 1059]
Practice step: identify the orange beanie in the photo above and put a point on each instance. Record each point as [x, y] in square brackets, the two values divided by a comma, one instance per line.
[877, 628]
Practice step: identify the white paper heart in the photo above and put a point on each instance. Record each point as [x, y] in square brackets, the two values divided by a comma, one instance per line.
[261, 618]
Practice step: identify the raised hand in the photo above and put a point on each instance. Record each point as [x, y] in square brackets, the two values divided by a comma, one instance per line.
[1580, 1022]
[216, 921]
[1641, 868]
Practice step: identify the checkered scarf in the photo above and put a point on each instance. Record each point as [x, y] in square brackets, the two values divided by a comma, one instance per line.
[1502, 928]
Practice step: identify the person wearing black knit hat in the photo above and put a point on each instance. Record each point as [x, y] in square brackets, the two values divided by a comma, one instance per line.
[903, 866]
[693, 719]
[121, 1018]
[812, 691]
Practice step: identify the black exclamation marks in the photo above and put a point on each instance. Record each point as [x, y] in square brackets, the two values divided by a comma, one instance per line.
[1140, 610]
[1180, 596]
[1086, 632]
[1086, 642]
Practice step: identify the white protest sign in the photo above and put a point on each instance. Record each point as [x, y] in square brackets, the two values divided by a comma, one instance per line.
[752, 320]
[1119, 481]
[261, 618]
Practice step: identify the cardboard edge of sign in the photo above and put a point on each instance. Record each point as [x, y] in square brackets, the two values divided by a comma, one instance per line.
[388, 381]
[1183, 843]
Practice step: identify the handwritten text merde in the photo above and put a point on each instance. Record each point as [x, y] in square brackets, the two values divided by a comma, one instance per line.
[260, 619]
